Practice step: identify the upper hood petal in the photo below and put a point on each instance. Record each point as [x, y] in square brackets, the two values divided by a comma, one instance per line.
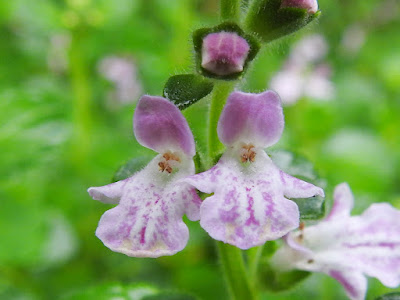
[251, 118]
[159, 125]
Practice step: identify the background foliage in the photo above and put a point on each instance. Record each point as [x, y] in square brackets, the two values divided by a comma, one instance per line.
[60, 134]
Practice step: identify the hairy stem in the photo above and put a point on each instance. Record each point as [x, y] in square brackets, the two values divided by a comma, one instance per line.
[230, 10]
[220, 94]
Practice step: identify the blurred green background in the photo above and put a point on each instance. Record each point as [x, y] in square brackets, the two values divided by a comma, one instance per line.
[64, 128]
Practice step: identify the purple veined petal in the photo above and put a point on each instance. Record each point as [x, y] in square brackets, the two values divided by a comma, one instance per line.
[251, 118]
[224, 53]
[354, 283]
[378, 243]
[296, 188]
[110, 193]
[292, 243]
[343, 202]
[147, 222]
[159, 125]
[247, 209]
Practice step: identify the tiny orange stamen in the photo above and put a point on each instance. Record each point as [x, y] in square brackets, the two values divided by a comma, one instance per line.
[248, 154]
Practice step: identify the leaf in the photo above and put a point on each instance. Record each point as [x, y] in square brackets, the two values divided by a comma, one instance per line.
[390, 296]
[185, 90]
[280, 281]
[131, 167]
[310, 208]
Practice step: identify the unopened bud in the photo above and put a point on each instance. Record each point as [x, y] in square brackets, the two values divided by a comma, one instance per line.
[310, 5]
[224, 53]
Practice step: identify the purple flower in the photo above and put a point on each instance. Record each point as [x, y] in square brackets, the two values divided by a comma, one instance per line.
[310, 5]
[348, 248]
[249, 205]
[147, 222]
[224, 53]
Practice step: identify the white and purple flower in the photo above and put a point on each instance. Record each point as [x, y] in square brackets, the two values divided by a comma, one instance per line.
[249, 205]
[147, 222]
[347, 248]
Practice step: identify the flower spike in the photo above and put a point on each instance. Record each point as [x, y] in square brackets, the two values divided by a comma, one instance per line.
[249, 205]
[347, 248]
[147, 222]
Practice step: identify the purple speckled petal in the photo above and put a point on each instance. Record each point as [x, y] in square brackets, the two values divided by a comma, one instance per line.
[310, 5]
[248, 206]
[224, 53]
[251, 118]
[343, 203]
[296, 188]
[148, 220]
[347, 247]
[353, 282]
[110, 193]
[159, 125]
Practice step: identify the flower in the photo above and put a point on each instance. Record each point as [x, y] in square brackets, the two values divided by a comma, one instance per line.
[147, 222]
[310, 5]
[121, 71]
[249, 205]
[347, 248]
[224, 53]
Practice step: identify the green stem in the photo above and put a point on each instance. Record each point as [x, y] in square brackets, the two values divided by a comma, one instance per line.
[81, 100]
[220, 94]
[235, 272]
[254, 255]
[230, 10]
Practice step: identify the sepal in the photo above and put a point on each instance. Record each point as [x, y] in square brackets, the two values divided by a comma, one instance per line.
[270, 21]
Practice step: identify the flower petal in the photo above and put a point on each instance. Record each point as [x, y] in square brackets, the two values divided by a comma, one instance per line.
[148, 220]
[110, 193]
[248, 206]
[159, 125]
[378, 244]
[354, 283]
[296, 188]
[343, 202]
[251, 118]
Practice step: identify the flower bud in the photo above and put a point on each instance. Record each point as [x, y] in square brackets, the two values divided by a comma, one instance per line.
[310, 5]
[224, 51]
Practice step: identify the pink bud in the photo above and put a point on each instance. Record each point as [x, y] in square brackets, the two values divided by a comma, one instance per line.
[224, 53]
[310, 5]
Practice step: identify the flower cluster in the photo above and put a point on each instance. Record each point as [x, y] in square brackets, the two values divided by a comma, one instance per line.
[250, 204]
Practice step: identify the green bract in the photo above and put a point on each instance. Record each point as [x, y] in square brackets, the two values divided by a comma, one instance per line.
[185, 90]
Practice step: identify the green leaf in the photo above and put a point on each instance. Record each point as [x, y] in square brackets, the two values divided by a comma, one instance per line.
[390, 296]
[185, 90]
[266, 19]
[131, 167]
[310, 208]
[113, 291]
